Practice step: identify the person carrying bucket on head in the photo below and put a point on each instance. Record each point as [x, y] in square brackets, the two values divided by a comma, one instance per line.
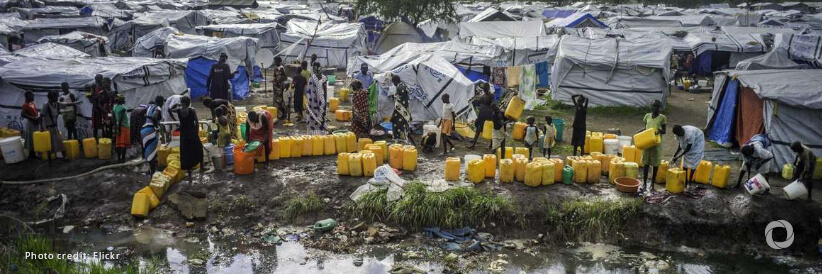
[580, 126]
[756, 153]
[652, 157]
[692, 146]
[805, 165]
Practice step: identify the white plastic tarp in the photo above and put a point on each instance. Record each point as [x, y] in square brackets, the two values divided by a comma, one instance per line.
[521, 51]
[776, 59]
[240, 50]
[807, 48]
[333, 43]
[145, 45]
[266, 33]
[455, 52]
[502, 29]
[51, 51]
[82, 41]
[611, 71]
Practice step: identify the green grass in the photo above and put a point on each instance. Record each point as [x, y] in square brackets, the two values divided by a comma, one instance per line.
[13, 260]
[590, 219]
[417, 208]
[300, 205]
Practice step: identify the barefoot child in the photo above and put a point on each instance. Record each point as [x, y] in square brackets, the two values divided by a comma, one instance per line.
[549, 138]
[531, 136]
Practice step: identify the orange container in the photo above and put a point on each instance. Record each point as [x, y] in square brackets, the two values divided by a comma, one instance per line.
[243, 162]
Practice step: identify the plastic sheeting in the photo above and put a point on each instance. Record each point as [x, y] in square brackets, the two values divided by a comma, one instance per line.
[51, 51]
[521, 51]
[785, 124]
[333, 43]
[82, 41]
[502, 29]
[723, 124]
[580, 19]
[776, 59]
[807, 48]
[197, 75]
[240, 50]
[266, 33]
[145, 45]
[454, 52]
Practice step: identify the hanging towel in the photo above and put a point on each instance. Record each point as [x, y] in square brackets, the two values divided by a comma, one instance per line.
[514, 76]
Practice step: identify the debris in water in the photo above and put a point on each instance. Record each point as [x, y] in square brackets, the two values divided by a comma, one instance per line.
[196, 261]
[68, 228]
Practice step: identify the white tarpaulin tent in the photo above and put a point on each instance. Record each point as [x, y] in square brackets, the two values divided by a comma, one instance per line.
[502, 29]
[138, 79]
[51, 51]
[82, 41]
[429, 77]
[266, 33]
[776, 59]
[333, 43]
[806, 48]
[146, 45]
[240, 50]
[455, 52]
[521, 51]
[611, 72]
[123, 34]
[35, 29]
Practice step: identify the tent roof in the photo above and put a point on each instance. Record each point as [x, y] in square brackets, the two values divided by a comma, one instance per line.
[501, 29]
[51, 11]
[651, 53]
[241, 28]
[306, 29]
[233, 3]
[575, 19]
[225, 17]
[63, 23]
[238, 49]
[490, 14]
[144, 44]
[557, 13]
[801, 88]
[639, 22]
[51, 51]
[776, 59]
[453, 51]
[71, 37]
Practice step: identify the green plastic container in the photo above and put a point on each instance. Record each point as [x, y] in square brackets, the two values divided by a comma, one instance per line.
[560, 125]
[568, 175]
[255, 84]
[332, 79]
[324, 225]
[242, 130]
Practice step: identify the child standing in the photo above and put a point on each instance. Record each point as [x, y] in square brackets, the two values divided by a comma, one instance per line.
[447, 123]
[550, 136]
[121, 128]
[223, 131]
[531, 135]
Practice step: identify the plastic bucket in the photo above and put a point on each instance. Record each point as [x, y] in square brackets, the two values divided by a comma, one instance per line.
[611, 146]
[756, 185]
[624, 141]
[228, 153]
[560, 125]
[12, 148]
[795, 190]
[469, 157]
[217, 160]
[332, 79]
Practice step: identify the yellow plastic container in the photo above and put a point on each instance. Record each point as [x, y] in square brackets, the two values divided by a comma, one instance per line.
[787, 171]
[519, 131]
[409, 158]
[606, 163]
[104, 149]
[175, 175]
[342, 163]
[275, 150]
[533, 174]
[452, 169]
[631, 154]
[42, 141]
[384, 146]
[587, 148]
[342, 115]
[703, 172]
[609, 136]
[547, 173]
[344, 92]
[594, 171]
[520, 164]
[90, 149]
[722, 173]
[329, 146]
[377, 153]
[159, 184]
[515, 107]
[817, 172]
[476, 171]
[616, 170]
[333, 103]
[272, 111]
[509, 153]
[72, 149]
[317, 145]
[173, 157]
[506, 170]
[395, 156]
[355, 164]
[662, 173]
[162, 153]
[308, 145]
[580, 171]
[539, 159]
[285, 147]
[596, 143]
[153, 200]
[369, 163]
[140, 205]
[350, 142]
[176, 165]
[488, 130]
[339, 143]
[631, 170]
[362, 142]
[558, 166]
[522, 150]
[490, 164]
[675, 181]
[296, 147]
[646, 139]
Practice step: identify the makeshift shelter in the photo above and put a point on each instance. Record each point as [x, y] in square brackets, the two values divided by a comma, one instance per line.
[491, 15]
[776, 59]
[266, 34]
[717, 50]
[153, 43]
[557, 13]
[221, 17]
[803, 48]
[48, 12]
[50, 51]
[455, 52]
[203, 52]
[502, 29]
[611, 72]
[138, 79]
[621, 22]
[35, 29]
[123, 34]
[333, 43]
[106, 10]
[428, 77]
[396, 34]
[520, 51]
[576, 20]
[237, 4]
[94, 45]
[784, 104]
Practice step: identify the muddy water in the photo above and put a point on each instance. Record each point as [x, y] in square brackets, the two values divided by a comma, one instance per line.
[227, 256]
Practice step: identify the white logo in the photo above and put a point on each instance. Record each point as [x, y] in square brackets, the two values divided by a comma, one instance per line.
[769, 234]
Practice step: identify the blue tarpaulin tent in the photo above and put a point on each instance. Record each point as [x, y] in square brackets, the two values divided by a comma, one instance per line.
[543, 74]
[554, 14]
[197, 74]
[724, 121]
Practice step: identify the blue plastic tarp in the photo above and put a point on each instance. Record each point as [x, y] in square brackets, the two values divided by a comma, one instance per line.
[197, 75]
[258, 75]
[473, 75]
[543, 74]
[725, 115]
[703, 63]
[554, 14]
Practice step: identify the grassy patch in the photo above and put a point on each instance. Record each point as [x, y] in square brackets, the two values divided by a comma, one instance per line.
[13, 260]
[300, 205]
[590, 219]
[448, 209]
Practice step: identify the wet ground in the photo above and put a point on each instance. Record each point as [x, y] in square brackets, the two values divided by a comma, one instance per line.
[721, 223]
